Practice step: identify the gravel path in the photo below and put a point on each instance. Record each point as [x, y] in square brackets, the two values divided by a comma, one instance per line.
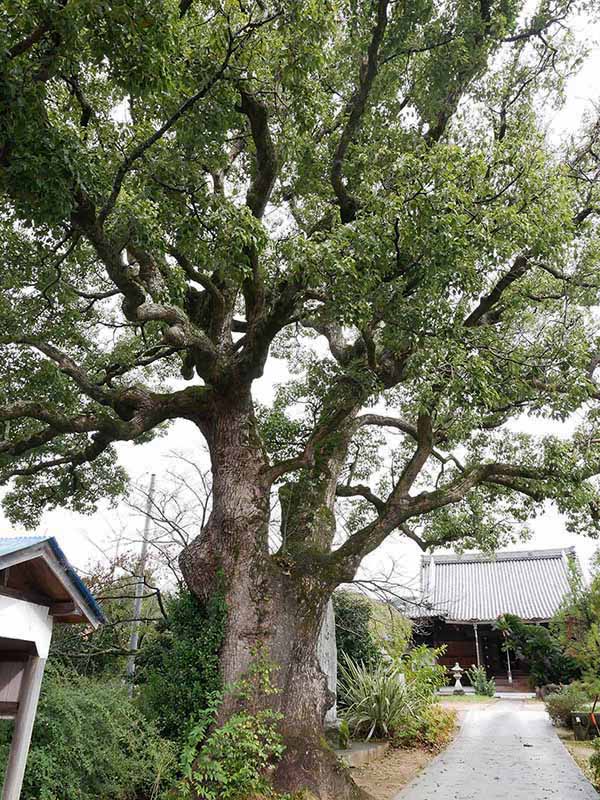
[506, 751]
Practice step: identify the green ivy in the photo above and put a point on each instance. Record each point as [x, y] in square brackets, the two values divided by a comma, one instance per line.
[230, 762]
[178, 672]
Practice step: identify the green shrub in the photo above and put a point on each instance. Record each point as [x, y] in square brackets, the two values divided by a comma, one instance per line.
[422, 671]
[353, 628]
[178, 671]
[230, 761]
[432, 728]
[389, 697]
[560, 705]
[90, 742]
[480, 682]
[395, 699]
[543, 652]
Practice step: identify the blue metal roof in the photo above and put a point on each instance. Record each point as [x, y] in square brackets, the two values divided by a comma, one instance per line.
[16, 543]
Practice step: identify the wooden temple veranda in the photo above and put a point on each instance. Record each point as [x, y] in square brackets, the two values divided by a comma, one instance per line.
[38, 588]
[462, 596]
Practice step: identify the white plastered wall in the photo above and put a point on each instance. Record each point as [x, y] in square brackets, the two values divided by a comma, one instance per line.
[27, 622]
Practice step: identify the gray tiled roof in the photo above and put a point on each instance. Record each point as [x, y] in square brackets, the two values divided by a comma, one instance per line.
[476, 586]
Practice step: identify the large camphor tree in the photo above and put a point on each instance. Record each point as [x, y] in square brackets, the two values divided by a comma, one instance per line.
[366, 188]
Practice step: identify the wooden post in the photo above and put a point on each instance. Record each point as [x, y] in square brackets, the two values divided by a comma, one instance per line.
[477, 644]
[28, 701]
[508, 665]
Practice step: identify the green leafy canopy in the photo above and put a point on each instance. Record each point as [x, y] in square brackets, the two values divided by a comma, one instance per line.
[367, 189]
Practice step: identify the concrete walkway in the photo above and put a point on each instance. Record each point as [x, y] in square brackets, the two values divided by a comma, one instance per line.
[505, 751]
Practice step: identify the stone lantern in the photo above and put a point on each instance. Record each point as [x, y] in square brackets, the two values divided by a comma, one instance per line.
[457, 671]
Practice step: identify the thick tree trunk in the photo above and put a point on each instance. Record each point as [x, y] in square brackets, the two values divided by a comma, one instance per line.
[273, 607]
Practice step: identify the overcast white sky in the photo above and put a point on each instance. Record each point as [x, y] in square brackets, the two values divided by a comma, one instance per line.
[86, 539]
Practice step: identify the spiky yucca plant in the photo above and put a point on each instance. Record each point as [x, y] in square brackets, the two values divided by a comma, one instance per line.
[378, 700]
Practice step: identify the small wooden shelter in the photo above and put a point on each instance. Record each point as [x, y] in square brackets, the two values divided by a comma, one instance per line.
[38, 588]
[462, 596]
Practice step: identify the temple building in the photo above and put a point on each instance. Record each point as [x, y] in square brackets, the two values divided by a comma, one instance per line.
[462, 596]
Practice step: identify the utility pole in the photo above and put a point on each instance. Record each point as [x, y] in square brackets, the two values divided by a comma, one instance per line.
[139, 591]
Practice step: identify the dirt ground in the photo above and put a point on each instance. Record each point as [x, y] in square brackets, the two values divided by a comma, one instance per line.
[581, 751]
[383, 779]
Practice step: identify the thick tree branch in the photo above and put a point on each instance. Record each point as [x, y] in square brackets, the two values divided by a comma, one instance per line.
[144, 410]
[180, 331]
[419, 458]
[257, 197]
[74, 458]
[265, 173]
[359, 490]
[29, 41]
[400, 507]
[410, 534]
[517, 486]
[482, 313]
[388, 422]
[459, 84]
[69, 367]
[81, 423]
[354, 111]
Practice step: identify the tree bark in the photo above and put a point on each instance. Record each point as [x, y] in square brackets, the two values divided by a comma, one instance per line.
[275, 604]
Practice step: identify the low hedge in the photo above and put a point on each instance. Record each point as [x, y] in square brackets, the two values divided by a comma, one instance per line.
[560, 705]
